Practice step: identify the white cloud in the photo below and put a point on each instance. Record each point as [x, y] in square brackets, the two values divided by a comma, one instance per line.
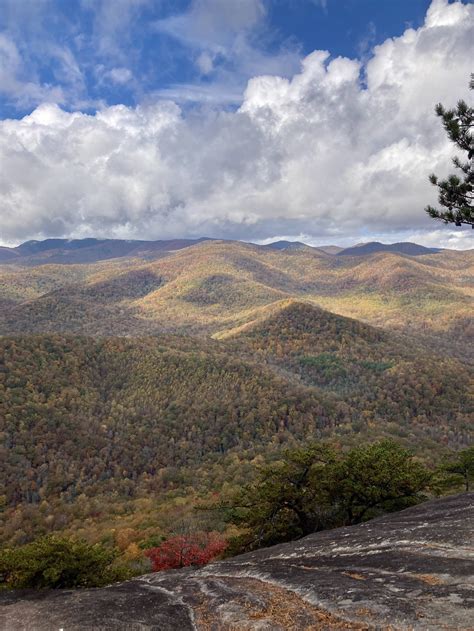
[218, 95]
[318, 154]
[16, 84]
[205, 62]
[35, 66]
[112, 20]
[226, 42]
[212, 25]
[119, 75]
[46, 57]
[443, 238]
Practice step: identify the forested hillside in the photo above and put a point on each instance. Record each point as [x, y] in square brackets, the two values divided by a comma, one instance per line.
[112, 411]
[382, 377]
[212, 287]
[134, 388]
[131, 418]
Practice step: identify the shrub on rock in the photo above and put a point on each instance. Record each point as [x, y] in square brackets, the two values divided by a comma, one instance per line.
[58, 562]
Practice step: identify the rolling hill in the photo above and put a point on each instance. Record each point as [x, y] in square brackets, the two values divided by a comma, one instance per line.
[7, 254]
[382, 377]
[132, 387]
[214, 286]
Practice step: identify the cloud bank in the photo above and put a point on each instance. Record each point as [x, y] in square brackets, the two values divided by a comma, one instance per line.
[340, 149]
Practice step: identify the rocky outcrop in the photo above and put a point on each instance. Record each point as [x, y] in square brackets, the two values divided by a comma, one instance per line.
[408, 570]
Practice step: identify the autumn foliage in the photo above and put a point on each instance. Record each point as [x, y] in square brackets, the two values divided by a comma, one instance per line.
[184, 550]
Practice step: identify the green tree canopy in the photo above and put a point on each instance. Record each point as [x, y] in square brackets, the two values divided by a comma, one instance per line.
[315, 488]
[288, 500]
[57, 562]
[462, 467]
[378, 478]
[456, 192]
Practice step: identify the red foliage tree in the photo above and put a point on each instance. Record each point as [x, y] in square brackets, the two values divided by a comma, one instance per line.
[184, 550]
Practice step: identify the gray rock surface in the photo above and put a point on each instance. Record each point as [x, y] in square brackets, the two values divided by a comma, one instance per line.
[408, 570]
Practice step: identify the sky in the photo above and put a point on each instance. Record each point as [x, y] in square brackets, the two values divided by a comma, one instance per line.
[257, 120]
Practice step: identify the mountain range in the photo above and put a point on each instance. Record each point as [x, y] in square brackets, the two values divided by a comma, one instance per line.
[70, 251]
[150, 374]
[209, 287]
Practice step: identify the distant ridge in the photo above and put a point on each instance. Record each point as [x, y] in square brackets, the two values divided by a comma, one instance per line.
[7, 255]
[330, 249]
[91, 250]
[412, 249]
[287, 245]
[299, 245]
[70, 251]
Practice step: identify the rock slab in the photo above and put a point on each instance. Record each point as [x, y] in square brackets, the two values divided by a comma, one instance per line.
[407, 570]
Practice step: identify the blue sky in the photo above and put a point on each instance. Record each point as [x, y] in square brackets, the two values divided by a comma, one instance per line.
[85, 53]
[248, 119]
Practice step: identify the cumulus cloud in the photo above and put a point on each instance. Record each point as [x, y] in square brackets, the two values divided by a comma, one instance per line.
[321, 154]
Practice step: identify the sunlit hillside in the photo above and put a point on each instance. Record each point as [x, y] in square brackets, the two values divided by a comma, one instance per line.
[212, 287]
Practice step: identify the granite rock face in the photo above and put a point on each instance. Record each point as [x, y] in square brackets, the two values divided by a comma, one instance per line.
[407, 570]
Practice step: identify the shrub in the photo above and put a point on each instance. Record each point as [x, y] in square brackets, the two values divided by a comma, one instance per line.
[184, 550]
[57, 562]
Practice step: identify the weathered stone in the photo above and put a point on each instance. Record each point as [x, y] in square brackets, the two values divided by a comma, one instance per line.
[408, 570]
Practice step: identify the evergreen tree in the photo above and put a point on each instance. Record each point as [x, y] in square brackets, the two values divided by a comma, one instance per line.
[456, 193]
[314, 488]
[379, 478]
[287, 501]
